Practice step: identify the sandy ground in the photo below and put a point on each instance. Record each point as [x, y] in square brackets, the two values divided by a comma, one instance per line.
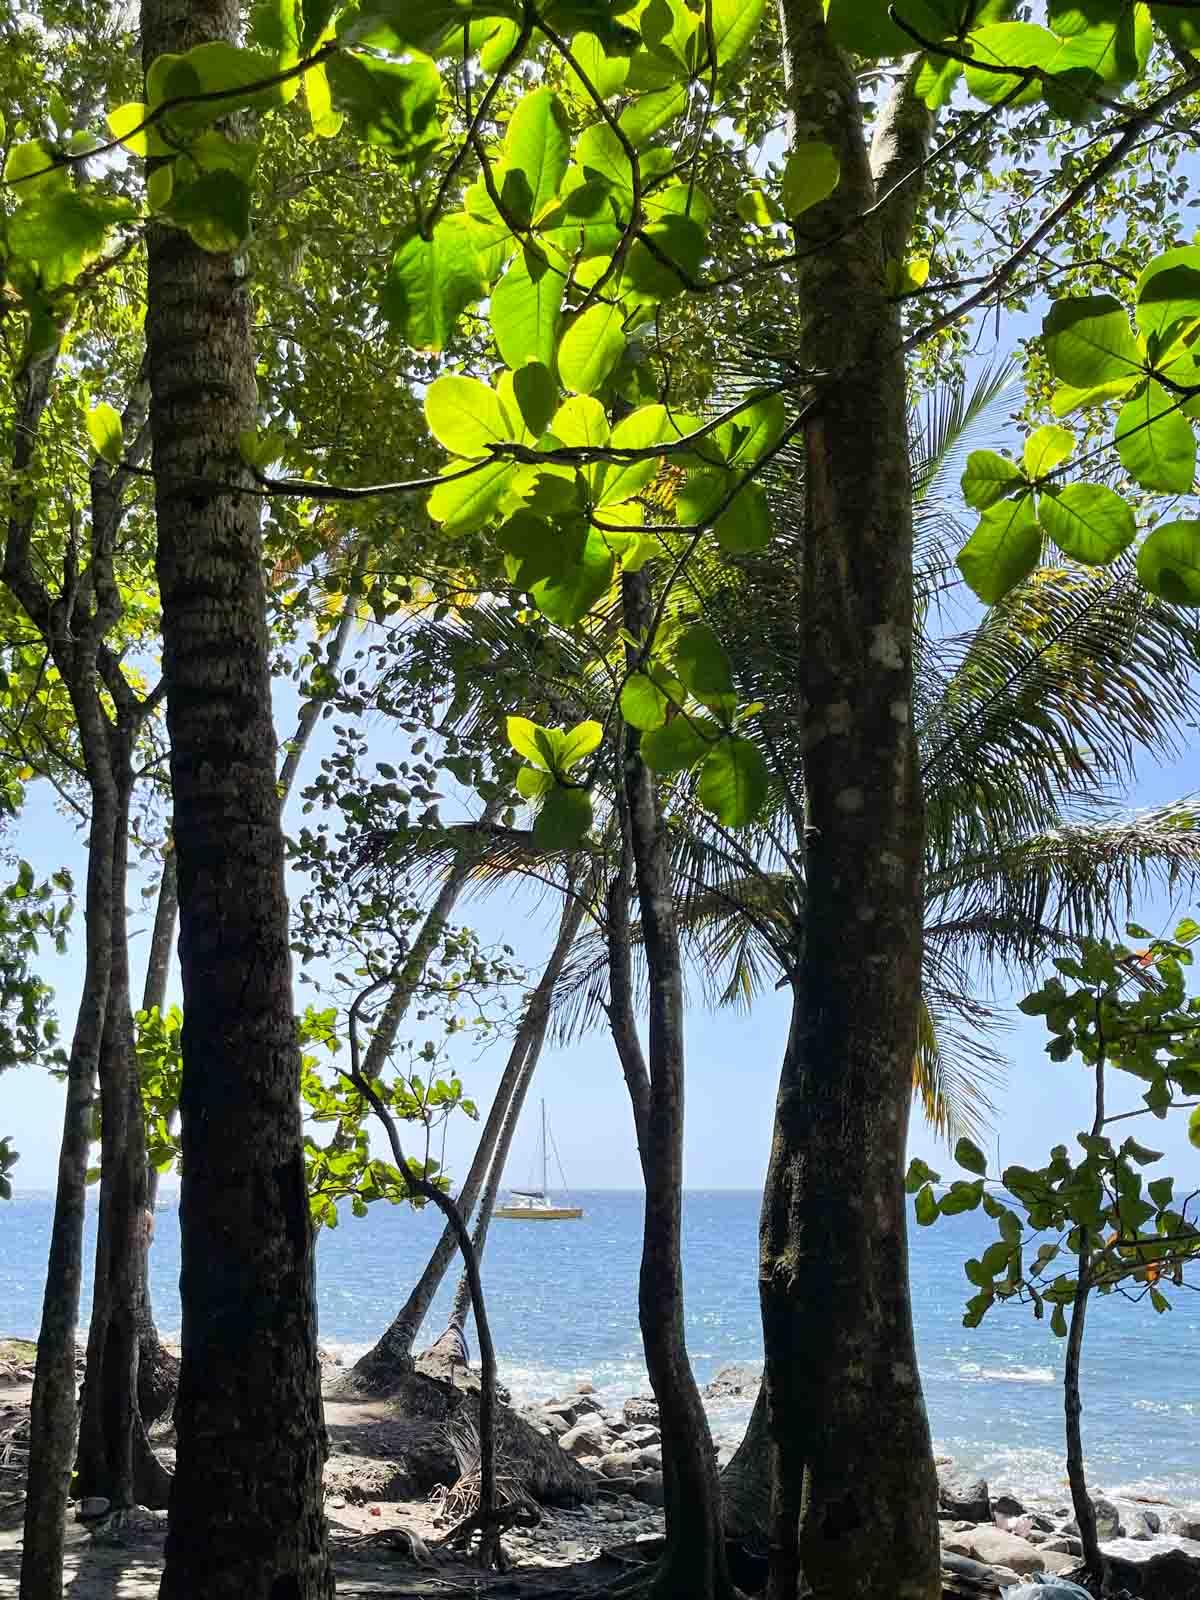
[567, 1555]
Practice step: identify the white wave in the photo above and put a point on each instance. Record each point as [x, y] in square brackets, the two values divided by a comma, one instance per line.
[972, 1369]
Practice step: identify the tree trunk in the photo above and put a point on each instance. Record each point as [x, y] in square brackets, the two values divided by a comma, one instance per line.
[853, 1484]
[1081, 1500]
[246, 1519]
[53, 1419]
[745, 1485]
[391, 1355]
[538, 1017]
[114, 1458]
[158, 1369]
[694, 1560]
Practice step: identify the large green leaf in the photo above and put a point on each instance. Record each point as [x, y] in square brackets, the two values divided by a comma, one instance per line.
[810, 175]
[214, 208]
[466, 416]
[649, 113]
[1003, 549]
[988, 477]
[537, 145]
[734, 24]
[1168, 290]
[526, 308]
[464, 504]
[746, 525]
[523, 736]
[535, 395]
[1011, 44]
[586, 579]
[215, 68]
[703, 666]
[1088, 341]
[1045, 449]
[679, 744]
[432, 281]
[391, 104]
[647, 426]
[643, 704]
[733, 782]
[1155, 441]
[579, 743]
[665, 261]
[104, 431]
[1169, 563]
[591, 348]
[564, 819]
[1088, 522]
[60, 232]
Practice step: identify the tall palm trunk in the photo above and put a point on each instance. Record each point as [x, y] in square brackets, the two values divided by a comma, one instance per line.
[391, 1354]
[694, 1561]
[246, 1520]
[853, 1487]
[535, 1024]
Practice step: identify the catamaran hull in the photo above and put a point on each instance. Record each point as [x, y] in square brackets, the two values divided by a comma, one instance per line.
[538, 1213]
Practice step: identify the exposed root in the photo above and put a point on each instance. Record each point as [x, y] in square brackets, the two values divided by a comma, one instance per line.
[461, 1501]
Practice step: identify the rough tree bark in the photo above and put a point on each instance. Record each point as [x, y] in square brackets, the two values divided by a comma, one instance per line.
[853, 1485]
[1081, 1500]
[246, 1520]
[535, 1023]
[694, 1562]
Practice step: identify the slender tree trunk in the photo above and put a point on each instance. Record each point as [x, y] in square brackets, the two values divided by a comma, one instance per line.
[246, 1518]
[52, 1424]
[538, 1016]
[310, 711]
[853, 1485]
[694, 1560]
[158, 1369]
[114, 1458]
[622, 1009]
[392, 1352]
[1081, 1500]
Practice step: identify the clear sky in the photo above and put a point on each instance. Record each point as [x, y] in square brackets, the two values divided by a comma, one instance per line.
[733, 1057]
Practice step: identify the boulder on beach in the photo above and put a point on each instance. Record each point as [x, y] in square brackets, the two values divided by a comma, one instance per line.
[641, 1408]
[964, 1500]
[732, 1382]
[996, 1548]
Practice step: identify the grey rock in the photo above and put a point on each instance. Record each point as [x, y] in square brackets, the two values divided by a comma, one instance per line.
[1185, 1523]
[1138, 1526]
[1029, 1522]
[1066, 1543]
[585, 1386]
[732, 1381]
[966, 1501]
[1007, 1505]
[94, 1506]
[649, 1490]
[1161, 1568]
[556, 1422]
[642, 1408]
[618, 1464]
[586, 1437]
[642, 1434]
[650, 1456]
[1108, 1520]
[996, 1548]
[1056, 1589]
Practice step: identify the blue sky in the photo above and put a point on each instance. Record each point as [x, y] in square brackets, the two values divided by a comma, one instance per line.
[733, 1057]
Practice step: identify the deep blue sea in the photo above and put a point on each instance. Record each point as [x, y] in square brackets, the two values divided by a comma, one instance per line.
[563, 1303]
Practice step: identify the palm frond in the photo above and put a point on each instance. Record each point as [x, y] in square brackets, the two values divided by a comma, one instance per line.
[1048, 701]
[955, 1068]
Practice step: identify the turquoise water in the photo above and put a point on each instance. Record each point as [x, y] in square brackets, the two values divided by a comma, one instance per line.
[563, 1304]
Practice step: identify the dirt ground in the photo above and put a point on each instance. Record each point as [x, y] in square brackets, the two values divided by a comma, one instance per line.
[569, 1554]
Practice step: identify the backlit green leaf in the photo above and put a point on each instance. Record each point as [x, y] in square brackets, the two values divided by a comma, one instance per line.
[537, 145]
[390, 103]
[1168, 290]
[1045, 449]
[526, 308]
[702, 664]
[104, 431]
[1169, 565]
[988, 478]
[536, 396]
[746, 525]
[432, 281]
[968, 1154]
[1003, 549]
[465, 415]
[564, 819]
[524, 737]
[591, 348]
[810, 175]
[464, 504]
[733, 782]
[647, 426]
[532, 784]
[1088, 522]
[587, 579]
[679, 744]
[581, 740]
[1088, 341]
[734, 24]
[643, 703]
[646, 115]
[1155, 441]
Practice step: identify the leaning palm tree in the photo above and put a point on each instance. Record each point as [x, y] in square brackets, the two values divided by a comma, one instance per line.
[1030, 719]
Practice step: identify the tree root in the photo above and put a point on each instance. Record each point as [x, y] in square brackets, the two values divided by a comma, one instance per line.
[491, 1528]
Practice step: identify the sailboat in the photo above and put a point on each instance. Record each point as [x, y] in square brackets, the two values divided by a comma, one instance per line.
[534, 1205]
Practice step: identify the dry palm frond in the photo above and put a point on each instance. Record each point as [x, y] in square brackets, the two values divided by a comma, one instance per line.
[460, 1500]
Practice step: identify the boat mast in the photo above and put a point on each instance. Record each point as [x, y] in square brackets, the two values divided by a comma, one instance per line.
[545, 1163]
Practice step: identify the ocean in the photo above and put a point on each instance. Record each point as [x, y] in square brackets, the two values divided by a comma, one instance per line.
[563, 1304]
